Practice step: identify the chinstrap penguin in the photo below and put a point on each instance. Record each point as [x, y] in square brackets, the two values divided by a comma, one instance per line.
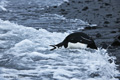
[75, 41]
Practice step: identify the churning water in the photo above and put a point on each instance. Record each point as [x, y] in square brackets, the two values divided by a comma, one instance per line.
[25, 52]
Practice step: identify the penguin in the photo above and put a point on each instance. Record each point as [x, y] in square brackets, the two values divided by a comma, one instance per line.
[76, 40]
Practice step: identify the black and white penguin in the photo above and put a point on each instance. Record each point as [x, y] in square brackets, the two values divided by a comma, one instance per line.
[75, 41]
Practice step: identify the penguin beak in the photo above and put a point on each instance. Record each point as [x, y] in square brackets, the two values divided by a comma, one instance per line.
[54, 47]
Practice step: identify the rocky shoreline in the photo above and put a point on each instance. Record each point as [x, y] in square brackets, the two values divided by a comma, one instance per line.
[104, 39]
[104, 13]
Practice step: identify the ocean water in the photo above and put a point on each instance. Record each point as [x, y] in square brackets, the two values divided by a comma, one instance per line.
[25, 52]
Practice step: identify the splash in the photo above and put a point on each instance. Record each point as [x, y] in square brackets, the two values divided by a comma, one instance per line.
[25, 54]
[3, 4]
[51, 3]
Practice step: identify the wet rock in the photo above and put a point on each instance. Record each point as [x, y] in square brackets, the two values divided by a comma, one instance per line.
[101, 7]
[62, 9]
[94, 74]
[110, 60]
[88, 1]
[101, 12]
[117, 21]
[54, 6]
[106, 22]
[119, 30]
[68, 3]
[107, 4]
[89, 28]
[95, 9]
[113, 31]
[100, 0]
[73, 1]
[104, 45]
[37, 28]
[98, 35]
[85, 8]
[80, 2]
[108, 15]
[116, 42]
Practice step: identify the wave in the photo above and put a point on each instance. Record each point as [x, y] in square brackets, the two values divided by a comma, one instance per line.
[3, 3]
[51, 3]
[25, 54]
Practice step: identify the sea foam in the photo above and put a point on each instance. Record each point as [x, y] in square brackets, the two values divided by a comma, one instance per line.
[25, 54]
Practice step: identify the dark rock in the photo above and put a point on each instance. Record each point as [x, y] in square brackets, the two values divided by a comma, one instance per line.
[94, 74]
[95, 9]
[105, 25]
[85, 8]
[54, 6]
[101, 6]
[62, 9]
[108, 15]
[104, 45]
[80, 2]
[68, 3]
[100, 0]
[89, 28]
[113, 31]
[78, 11]
[116, 42]
[110, 61]
[37, 28]
[117, 21]
[75, 8]
[73, 1]
[63, 12]
[88, 1]
[98, 35]
[106, 22]
[119, 30]
[107, 4]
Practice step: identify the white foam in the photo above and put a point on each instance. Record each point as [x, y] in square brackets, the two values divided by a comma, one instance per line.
[51, 3]
[3, 3]
[27, 49]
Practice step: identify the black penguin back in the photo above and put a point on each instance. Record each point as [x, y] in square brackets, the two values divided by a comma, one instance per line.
[75, 38]
[79, 37]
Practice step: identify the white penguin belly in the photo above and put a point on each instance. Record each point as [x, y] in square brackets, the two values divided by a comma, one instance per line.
[76, 45]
